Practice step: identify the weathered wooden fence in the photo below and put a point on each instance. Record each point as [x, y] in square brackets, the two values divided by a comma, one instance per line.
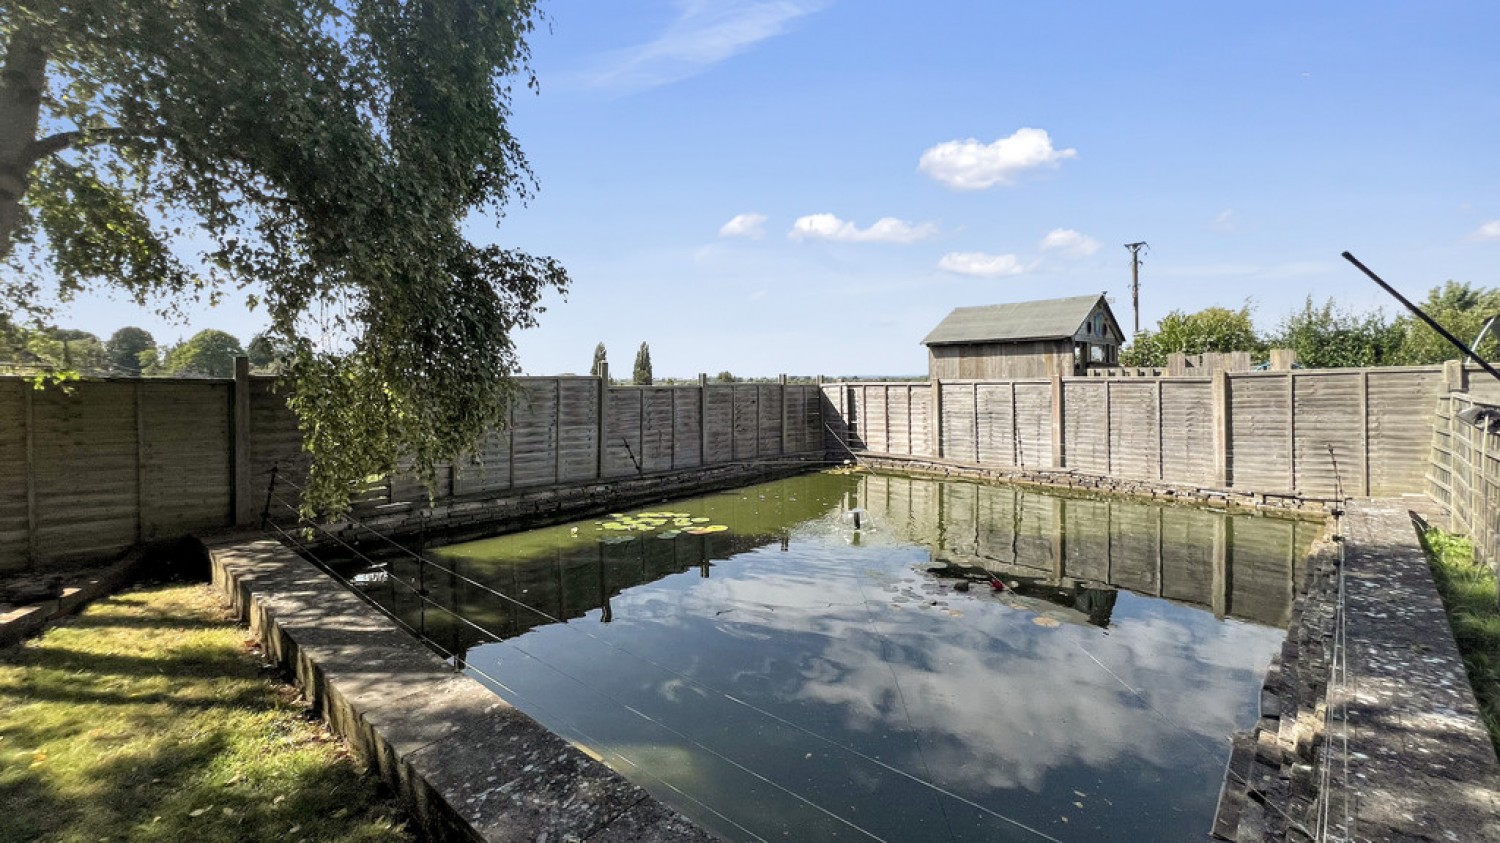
[1464, 471]
[1310, 433]
[90, 470]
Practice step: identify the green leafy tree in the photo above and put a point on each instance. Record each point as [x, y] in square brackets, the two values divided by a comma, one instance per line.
[1460, 308]
[266, 354]
[725, 376]
[1328, 337]
[209, 353]
[126, 346]
[330, 152]
[68, 350]
[642, 372]
[601, 361]
[1216, 329]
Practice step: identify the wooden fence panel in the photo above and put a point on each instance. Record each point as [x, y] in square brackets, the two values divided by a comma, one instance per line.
[996, 423]
[746, 414]
[959, 442]
[534, 434]
[1085, 408]
[1330, 413]
[897, 419]
[187, 470]
[622, 443]
[1260, 450]
[656, 428]
[1134, 430]
[86, 473]
[275, 438]
[872, 424]
[488, 470]
[1186, 435]
[771, 400]
[1401, 428]
[687, 428]
[720, 423]
[578, 429]
[15, 537]
[1034, 423]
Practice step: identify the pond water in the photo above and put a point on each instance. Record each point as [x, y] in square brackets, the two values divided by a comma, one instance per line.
[974, 662]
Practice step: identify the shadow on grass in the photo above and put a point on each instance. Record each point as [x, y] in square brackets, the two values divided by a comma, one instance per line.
[150, 722]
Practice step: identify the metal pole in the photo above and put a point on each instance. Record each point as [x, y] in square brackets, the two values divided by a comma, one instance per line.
[1431, 323]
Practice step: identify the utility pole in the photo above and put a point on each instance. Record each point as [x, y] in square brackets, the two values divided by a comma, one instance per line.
[1135, 279]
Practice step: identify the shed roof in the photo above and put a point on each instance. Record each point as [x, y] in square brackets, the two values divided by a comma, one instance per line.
[1026, 320]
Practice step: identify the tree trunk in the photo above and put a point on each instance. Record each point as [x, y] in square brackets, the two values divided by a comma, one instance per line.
[22, 81]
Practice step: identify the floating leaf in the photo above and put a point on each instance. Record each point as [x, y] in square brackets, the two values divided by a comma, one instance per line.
[700, 520]
[669, 534]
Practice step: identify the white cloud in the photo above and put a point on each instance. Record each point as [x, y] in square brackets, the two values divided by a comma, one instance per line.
[884, 230]
[750, 225]
[1224, 221]
[1488, 231]
[971, 165]
[704, 33]
[981, 264]
[1069, 243]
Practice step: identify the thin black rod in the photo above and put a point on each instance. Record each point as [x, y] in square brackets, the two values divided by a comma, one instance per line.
[1431, 323]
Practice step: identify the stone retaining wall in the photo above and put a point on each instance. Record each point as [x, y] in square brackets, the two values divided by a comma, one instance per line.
[468, 764]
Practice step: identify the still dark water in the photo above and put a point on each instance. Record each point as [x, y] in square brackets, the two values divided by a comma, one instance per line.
[793, 678]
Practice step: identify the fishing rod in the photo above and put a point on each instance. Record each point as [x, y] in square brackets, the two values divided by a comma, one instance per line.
[1431, 323]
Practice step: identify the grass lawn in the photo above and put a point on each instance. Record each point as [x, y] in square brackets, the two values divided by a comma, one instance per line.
[151, 717]
[1469, 594]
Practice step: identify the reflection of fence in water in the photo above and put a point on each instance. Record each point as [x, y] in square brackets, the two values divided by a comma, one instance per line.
[567, 585]
[1243, 566]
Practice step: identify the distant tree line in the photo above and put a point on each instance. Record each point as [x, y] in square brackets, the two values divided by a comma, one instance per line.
[130, 352]
[1329, 336]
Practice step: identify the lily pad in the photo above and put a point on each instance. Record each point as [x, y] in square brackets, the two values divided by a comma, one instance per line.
[669, 534]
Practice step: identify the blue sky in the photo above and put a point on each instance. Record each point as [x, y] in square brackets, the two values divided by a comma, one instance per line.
[808, 186]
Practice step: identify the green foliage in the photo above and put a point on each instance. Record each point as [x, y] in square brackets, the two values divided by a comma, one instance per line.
[209, 354]
[601, 361]
[1461, 309]
[266, 354]
[1211, 329]
[127, 346]
[725, 376]
[330, 153]
[1330, 337]
[1470, 596]
[642, 372]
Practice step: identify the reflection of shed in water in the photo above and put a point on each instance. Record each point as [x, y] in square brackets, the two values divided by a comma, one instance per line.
[1183, 553]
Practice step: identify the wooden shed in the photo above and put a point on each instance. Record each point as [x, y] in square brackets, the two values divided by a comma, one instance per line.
[1031, 339]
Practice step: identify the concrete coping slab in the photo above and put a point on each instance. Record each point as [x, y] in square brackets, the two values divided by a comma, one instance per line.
[469, 765]
[1420, 765]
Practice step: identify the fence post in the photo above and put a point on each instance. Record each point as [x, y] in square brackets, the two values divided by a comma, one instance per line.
[1059, 438]
[1220, 400]
[935, 419]
[244, 507]
[703, 418]
[603, 419]
[783, 414]
[29, 407]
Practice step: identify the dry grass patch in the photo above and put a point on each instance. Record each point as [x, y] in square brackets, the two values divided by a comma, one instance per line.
[150, 717]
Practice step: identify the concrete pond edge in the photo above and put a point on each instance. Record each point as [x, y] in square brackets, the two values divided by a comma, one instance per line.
[468, 765]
